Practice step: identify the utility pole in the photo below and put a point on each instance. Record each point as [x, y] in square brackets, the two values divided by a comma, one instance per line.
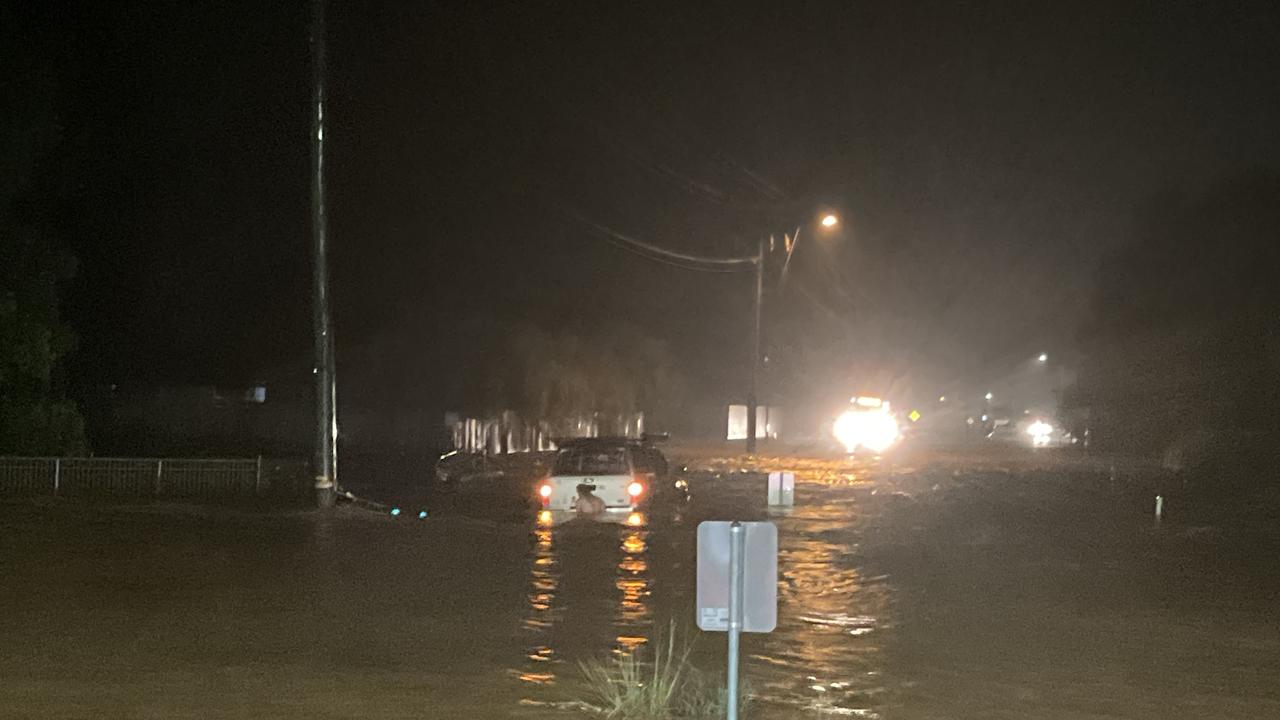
[323, 369]
[694, 262]
[752, 399]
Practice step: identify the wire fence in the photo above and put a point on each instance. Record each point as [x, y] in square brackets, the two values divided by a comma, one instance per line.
[137, 477]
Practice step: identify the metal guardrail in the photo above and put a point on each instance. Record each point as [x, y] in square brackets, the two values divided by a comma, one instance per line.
[131, 477]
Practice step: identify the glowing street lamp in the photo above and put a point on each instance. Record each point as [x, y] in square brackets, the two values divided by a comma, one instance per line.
[988, 396]
[827, 221]
[1044, 357]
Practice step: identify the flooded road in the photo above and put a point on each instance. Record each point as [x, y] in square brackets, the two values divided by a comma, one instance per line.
[936, 591]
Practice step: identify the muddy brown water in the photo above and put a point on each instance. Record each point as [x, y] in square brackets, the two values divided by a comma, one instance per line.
[904, 593]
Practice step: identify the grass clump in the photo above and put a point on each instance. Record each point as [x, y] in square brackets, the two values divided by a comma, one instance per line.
[666, 687]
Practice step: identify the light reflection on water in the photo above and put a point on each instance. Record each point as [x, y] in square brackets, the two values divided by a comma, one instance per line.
[825, 654]
[543, 583]
[540, 613]
[557, 616]
[633, 584]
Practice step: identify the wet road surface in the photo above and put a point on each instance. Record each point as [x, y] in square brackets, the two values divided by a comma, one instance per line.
[935, 591]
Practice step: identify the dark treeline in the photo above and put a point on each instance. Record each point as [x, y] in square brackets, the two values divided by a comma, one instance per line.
[36, 418]
[1183, 338]
[562, 372]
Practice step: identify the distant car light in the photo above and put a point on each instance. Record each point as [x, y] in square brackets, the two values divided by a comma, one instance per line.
[873, 430]
[1041, 432]
[635, 489]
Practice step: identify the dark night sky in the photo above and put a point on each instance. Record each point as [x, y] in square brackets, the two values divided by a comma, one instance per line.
[983, 156]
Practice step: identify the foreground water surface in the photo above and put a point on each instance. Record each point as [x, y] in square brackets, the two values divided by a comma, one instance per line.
[934, 591]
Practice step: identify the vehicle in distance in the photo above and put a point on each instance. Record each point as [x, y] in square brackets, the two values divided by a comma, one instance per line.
[868, 425]
[1035, 432]
[626, 473]
[455, 468]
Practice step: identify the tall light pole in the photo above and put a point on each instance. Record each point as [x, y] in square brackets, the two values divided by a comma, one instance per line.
[721, 264]
[752, 400]
[828, 221]
[326, 429]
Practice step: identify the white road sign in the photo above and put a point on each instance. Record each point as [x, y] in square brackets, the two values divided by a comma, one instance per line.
[759, 580]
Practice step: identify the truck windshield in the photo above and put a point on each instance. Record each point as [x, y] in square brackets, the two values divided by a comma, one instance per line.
[592, 461]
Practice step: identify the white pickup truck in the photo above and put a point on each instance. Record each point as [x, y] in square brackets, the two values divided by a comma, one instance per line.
[625, 473]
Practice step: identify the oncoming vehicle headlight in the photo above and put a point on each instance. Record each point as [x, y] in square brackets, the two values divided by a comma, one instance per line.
[874, 430]
[1040, 431]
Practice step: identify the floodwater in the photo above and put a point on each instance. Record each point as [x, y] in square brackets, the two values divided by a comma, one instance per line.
[936, 591]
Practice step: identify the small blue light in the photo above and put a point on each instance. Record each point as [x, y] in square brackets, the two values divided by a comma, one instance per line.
[422, 515]
[395, 511]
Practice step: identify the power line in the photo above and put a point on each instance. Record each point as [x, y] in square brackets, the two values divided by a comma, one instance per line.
[670, 257]
[673, 263]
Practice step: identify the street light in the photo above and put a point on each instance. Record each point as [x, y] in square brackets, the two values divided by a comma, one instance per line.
[1044, 357]
[988, 396]
[829, 220]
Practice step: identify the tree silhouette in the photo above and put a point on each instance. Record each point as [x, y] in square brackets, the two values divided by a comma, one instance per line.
[1183, 341]
[35, 416]
[564, 373]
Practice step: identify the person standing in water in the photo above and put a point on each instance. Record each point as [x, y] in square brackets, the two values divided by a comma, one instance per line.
[589, 505]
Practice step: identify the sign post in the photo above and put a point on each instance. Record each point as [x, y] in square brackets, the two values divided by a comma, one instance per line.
[737, 548]
[737, 586]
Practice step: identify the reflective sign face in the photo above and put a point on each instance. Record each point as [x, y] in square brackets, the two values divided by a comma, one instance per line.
[760, 583]
[782, 488]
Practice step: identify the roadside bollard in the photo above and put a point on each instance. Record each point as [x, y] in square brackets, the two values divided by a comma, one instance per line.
[782, 489]
[1159, 508]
